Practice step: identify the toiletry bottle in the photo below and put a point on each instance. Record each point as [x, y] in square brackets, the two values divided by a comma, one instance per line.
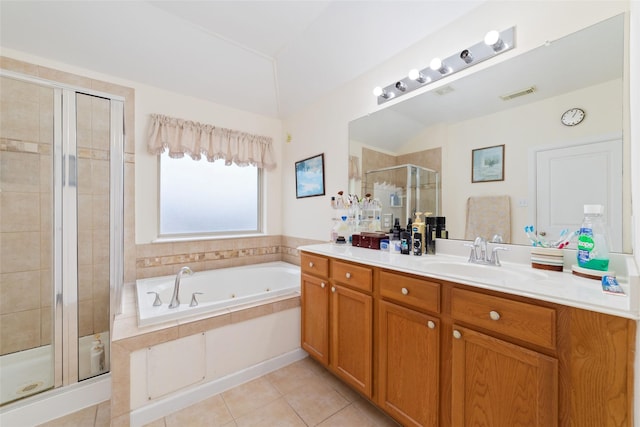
[418, 228]
[430, 235]
[441, 229]
[417, 244]
[405, 242]
[97, 356]
[593, 240]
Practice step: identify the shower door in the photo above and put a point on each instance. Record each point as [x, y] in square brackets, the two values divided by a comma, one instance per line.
[60, 233]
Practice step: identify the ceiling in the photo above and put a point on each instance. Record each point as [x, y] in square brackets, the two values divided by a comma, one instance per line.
[268, 57]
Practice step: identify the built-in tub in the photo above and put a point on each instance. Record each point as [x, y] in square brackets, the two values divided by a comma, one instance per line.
[221, 288]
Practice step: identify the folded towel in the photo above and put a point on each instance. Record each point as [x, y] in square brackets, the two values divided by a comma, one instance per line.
[488, 216]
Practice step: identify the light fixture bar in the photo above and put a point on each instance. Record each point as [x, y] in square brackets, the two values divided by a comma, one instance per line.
[494, 43]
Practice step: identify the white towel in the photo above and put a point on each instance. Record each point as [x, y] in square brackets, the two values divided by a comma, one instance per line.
[488, 216]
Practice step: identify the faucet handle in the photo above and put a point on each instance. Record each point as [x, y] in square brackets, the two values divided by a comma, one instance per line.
[194, 301]
[494, 254]
[157, 301]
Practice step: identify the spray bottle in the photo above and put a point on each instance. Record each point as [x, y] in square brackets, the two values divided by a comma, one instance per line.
[97, 356]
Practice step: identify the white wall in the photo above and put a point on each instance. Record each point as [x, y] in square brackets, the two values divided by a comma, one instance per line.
[150, 100]
[323, 127]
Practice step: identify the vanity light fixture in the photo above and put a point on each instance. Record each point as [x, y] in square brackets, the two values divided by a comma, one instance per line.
[494, 43]
[417, 76]
[436, 64]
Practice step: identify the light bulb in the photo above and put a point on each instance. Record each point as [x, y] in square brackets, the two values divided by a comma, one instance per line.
[416, 75]
[377, 91]
[436, 64]
[492, 38]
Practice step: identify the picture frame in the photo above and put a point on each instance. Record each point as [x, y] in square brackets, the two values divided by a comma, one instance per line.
[310, 177]
[487, 164]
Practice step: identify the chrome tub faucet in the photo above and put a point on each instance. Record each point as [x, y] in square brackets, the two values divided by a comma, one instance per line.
[175, 299]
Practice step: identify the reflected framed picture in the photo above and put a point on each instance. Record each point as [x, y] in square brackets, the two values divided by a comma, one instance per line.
[487, 164]
[310, 177]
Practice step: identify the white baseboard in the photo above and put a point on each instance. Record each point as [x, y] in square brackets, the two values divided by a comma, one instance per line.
[183, 399]
[56, 403]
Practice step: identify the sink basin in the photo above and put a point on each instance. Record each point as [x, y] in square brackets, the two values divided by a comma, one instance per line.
[483, 273]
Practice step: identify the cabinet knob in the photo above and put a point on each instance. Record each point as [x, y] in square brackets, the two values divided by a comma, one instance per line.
[457, 334]
[348, 275]
[322, 285]
[431, 324]
[310, 264]
[333, 289]
[494, 315]
[405, 291]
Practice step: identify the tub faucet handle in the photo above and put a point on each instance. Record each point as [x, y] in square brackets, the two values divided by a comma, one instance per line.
[194, 301]
[157, 301]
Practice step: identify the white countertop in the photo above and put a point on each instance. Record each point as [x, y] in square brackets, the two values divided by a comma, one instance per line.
[557, 287]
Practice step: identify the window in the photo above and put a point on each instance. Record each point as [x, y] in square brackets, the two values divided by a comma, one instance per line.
[201, 197]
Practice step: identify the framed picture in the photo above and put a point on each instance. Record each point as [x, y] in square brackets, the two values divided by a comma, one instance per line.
[487, 164]
[310, 177]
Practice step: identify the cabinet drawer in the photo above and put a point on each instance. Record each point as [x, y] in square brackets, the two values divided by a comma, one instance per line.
[352, 275]
[314, 264]
[527, 322]
[417, 292]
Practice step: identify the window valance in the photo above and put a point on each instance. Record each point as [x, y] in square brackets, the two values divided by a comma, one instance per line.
[182, 137]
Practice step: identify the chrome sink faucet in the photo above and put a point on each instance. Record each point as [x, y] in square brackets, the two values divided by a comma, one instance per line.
[175, 299]
[480, 255]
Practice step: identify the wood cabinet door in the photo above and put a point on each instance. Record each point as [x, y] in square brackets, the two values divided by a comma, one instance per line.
[351, 337]
[314, 301]
[409, 360]
[496, 383]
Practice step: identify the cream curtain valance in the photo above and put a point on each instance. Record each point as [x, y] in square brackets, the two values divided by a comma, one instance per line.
[182, 137]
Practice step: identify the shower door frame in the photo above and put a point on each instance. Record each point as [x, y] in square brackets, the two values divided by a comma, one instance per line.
[64, 257]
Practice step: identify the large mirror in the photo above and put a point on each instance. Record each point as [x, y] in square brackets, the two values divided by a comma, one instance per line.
[550, 169]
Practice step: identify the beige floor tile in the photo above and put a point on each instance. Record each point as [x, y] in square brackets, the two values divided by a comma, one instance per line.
[103, 417]
[156, 423]
[349, 416]
[314, 402]
[247, 397]
[275, 414]
[210, 412]
[376, 415]
[84, 417]
[345, 391]
[291, 377]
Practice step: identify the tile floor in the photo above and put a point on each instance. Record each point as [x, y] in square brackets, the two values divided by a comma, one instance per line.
[300, 394]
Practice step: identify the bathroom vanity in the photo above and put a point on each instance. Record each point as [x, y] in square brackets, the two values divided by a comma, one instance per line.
[489, 346]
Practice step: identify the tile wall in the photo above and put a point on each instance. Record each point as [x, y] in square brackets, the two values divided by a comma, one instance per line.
[26, 137]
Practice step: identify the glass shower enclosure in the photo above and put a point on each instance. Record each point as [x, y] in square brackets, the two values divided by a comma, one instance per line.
[402, 191]
[60, 224]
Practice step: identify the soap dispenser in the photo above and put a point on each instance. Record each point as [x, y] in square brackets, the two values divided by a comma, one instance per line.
[418, 229]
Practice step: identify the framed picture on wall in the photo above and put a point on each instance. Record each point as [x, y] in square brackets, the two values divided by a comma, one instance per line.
[487, 164]
[310, 177]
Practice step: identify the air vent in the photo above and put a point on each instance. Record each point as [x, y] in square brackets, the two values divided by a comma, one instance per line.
[523, 92]
[444, 90]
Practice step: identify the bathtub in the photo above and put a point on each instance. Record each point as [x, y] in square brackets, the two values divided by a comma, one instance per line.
[220, 289]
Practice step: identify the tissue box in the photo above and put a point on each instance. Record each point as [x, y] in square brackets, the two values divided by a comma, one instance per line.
[547, 258]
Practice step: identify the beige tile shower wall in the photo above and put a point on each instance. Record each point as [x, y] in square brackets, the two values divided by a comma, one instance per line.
[19, 153]
[162, 259]
[26, 136]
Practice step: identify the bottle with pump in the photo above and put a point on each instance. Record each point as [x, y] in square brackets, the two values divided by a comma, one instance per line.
[97, 356]
[593, 240]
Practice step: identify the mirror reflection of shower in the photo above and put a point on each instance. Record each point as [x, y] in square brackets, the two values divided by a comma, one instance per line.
[402, 191]
[55, 234]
